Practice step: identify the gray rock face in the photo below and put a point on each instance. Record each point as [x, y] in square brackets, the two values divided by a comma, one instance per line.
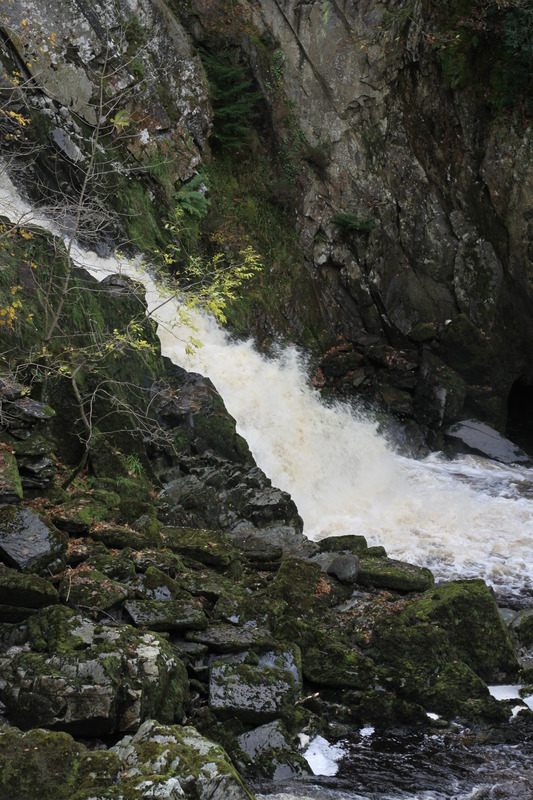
[26, 542]
[250, 692]
[171, 762]
[439, 203]
[169, 615]
[479, 438]
[89, 679]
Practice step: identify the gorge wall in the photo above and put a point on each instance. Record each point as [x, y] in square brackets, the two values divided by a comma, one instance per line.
[401, 135]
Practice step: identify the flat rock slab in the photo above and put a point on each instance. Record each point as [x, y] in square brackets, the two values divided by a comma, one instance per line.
[17, 589]
[206, 583]
[481, 438]
[399, 576]
[167, 615]
[250, 692]
[90, 588]
[26, 542]
[230, 639]
[209, 547]
[30, 411]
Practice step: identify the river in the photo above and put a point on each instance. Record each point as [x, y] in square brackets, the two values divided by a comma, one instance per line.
[464, 518]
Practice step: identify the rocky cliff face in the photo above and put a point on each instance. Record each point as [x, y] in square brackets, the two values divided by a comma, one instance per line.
[413, 199]
[416, 213]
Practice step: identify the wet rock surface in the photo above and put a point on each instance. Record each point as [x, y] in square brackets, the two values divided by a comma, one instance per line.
[251, 634]
[26, 541]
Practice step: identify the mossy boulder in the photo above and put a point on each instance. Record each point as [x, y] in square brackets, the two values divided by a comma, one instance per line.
[86, 587]
[336, 665]
[158, 761]
[296, 580]
[90, 679]
[52, 766]
[164, 560]
[524, 630]
[209, 547]
[170, 761]
[30, 591]
[457, 622]
[398, 576]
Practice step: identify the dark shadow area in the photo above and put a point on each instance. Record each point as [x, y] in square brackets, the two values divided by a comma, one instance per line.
[520, 414]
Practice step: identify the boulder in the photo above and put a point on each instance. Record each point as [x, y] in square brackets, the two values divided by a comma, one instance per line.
[167, 761]
[431, 649]
[251, 692]
[167, 615]
[52, 766]
[399, 576]
[159, 761]
[86, 587]
[210, 547]
[27, 542]
[476, 437]
[271, 754]
[29, 591]
[338, 544]
[90, 679]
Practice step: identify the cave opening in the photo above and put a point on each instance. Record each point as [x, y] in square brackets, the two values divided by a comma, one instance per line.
[520, 414]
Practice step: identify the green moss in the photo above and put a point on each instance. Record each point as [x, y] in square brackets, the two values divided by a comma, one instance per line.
[456, 622]
[395, 575]
[337, 666]
[296, 580]
[52, 766]
[210, 547]
[524, 631]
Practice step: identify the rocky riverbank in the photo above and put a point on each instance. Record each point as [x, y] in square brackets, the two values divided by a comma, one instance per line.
[168, 631]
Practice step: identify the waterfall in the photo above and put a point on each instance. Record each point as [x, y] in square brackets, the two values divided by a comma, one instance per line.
[466, 518]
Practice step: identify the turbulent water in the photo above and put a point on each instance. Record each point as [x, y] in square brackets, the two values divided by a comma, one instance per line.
[469, 517]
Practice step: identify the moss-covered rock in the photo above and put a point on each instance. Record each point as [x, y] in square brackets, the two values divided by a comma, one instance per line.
[52, 766]
[524, 630]
[417, 644]
[171, 761]
[251, 692]
[91, 679]
[399, 576]
[336, 665]
[167, 615]
[120, 536]
[210, 547]
[25, 590]
[88, 588]
[296, 580]
[10, 485]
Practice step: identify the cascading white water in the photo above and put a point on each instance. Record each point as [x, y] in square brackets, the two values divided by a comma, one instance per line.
[470, 517]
